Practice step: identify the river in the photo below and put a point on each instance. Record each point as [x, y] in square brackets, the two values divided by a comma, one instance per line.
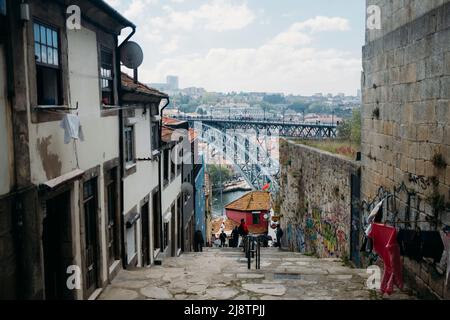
[217, 206]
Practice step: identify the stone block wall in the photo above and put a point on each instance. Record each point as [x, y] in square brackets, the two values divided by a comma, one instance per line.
[406, 122]
[316, 200]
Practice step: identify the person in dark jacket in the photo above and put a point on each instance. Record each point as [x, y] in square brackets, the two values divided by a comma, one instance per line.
[235, 236]
[279, 236]
[198, 241]
[243, 231]
[223, 238]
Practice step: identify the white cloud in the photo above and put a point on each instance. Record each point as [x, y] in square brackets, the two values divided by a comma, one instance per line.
[300, 33]
[216, 15]
[287, 63]
[137, 8]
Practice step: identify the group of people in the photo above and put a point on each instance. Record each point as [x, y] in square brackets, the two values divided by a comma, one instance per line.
[237, 236]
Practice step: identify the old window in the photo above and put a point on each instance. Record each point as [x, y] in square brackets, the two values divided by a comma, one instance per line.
[179, 160]
[256, 218]
[166, 166]
[172, 164]
[154, 135]
[112, 225]
[129, 145]
[107, 76]
[48, 68]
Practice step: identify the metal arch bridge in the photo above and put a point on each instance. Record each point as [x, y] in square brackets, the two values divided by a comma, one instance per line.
[250, 159]
[278, 128]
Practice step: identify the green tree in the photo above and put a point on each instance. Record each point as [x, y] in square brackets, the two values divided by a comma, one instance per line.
[350, 129]
[219, 174]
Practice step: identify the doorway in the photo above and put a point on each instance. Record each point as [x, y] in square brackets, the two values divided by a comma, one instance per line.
[90, 205]
[56, 241]
[145, 235]
[156, 222]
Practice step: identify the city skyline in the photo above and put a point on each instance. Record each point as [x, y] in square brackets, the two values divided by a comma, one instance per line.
[250, 46]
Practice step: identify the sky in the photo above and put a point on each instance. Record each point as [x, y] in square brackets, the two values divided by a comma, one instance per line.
[278, 46]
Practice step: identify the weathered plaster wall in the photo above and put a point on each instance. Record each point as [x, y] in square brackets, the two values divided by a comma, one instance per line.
[169, 196]
[50, 156]
[145, 180]
[141, 184]
[316, 200]
[406, 119]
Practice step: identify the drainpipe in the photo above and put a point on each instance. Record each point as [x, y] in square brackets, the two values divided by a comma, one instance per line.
[121, 150]
[161, 230]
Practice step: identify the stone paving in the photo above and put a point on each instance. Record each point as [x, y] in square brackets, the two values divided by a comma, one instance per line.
[222, 274]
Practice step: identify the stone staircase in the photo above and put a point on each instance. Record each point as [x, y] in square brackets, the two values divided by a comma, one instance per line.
[222, 274]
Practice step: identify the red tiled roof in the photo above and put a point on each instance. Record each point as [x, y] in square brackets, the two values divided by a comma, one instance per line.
[229, 225]
[166, 134]
[129, 85]
[252, 201]
[171, 121]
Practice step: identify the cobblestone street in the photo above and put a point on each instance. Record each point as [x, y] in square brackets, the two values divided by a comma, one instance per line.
[222, 274]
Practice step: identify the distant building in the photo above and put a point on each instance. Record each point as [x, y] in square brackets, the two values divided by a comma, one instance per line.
[172, 82]
[253, 207]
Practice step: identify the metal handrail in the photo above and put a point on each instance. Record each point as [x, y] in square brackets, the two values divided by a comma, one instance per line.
[252, 249]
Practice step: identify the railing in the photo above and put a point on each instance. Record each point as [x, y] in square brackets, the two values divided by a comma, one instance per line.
[252, 249]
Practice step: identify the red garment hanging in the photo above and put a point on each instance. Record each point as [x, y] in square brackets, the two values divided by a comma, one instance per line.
[386, 246]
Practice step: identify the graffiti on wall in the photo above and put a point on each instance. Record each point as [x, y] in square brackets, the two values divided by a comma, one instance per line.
[328, 236]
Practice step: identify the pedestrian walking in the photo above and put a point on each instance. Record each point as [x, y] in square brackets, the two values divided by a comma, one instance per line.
[223, 238]
[198, 241]
[243, 231]
[279, 233]
[235, 237]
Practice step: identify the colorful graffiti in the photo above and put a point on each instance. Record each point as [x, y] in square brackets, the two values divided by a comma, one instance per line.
[329, 238]
[300, 238]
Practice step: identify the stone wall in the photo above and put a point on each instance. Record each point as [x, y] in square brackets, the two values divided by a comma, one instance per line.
[406, 122]
[316, 200]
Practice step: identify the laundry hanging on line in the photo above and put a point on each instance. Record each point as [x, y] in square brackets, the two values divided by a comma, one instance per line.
[72, 128]
[446, 241]
[385, 245]
[417, 244]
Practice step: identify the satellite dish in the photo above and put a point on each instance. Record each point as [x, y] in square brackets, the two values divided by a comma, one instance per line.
[131, 55]
[187, 188]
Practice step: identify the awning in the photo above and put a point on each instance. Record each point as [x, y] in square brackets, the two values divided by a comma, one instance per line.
[54, 183]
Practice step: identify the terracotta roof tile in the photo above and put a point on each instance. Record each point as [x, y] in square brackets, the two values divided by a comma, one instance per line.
[129, 85]
[229, 225]
[171, 121]
[166, 134]
[252, 201]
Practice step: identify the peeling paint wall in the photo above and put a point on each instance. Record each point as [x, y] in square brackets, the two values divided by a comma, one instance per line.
[51, 157]
[316, 200]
